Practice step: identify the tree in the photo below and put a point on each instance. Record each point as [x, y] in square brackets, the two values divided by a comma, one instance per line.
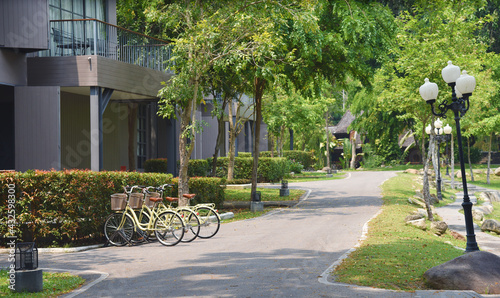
[215, 35]
[203, 34]
[429, 35]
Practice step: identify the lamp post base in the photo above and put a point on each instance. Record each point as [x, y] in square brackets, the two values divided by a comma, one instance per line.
[469, 225]
[29, 281]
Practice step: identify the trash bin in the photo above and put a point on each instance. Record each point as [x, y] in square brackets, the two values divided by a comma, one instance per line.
[256, 196]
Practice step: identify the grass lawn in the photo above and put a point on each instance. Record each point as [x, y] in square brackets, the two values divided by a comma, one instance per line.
[267, 194]
[480, 180]
[314, 176]
[395, 256]
[54, 284]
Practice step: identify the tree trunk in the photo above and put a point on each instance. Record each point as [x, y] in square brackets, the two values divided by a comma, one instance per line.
[327, 142]
[232, 138]
[489, 160]
[452, 166]
[353, 151]
[132, 129]
[282, 141]
[470, 164]
[219, 141]
[426, 190]
[271, 139]
[434, 157]
[185, 150]
[259, 85]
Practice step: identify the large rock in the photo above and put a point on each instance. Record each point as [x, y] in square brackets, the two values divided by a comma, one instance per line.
[439, 227]
[497, 172]
[434, 199]
[485, 208]
[492, 196]
[412, 171]
[414, 216]
[478, 215]
[419, 223]
[477, 271]
[416, 201]
[491, 225]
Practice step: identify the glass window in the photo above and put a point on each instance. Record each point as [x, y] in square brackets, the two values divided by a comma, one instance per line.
[141, 135]
[78, 9]
[90, 6]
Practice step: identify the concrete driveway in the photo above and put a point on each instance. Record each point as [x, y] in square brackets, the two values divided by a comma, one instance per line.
[286, 253]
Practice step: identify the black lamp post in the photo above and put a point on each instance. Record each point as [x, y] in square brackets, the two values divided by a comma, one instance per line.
[440, 138]
[462, 87]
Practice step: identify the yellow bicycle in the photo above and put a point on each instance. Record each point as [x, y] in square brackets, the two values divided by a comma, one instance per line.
[121, 226]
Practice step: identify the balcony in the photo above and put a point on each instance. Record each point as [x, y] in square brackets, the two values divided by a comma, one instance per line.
[94, 37]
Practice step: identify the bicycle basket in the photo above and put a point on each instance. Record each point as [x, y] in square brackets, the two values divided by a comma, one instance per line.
[149, 203]
[135, 200]
[118, 201]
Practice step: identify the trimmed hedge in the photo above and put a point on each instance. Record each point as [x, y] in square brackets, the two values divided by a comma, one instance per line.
[198, 168]
[60, 207]
[207, 190]
[306, 158]
[158, 165]
[269, 170]
[244, 154]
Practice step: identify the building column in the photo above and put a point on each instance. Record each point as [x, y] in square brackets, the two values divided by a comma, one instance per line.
[98, 103]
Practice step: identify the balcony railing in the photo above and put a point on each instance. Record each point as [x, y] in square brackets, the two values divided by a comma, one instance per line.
[94, 37]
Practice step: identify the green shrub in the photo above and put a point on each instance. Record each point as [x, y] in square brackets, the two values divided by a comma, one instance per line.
[295, 167]
[305, 158]
[242, 167]
[60, 207]
[198, 168]
[207, 190]
[270, 169]
[475, 153]
[244, 154]
[158, 165]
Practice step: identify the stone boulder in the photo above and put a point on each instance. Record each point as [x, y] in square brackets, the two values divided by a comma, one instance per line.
[497, 172]
[422, 211]
[457, 235]
[416, 201]
[459, 174]
[434, 199]
[477, 271]
[478, 215]
[439, 227]
[491, 225]
[492, 196]
[411, 171]
[419, 223]
[414, 216]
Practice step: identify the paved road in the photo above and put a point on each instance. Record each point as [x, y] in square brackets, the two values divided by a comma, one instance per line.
[282, 254]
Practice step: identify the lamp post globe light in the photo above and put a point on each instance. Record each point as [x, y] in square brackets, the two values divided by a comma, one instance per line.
[440, 138]
[462, 87]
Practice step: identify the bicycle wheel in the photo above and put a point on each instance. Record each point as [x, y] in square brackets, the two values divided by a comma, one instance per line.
[141, 235]
[117, 233]
[192, 224]
[169, 228]
[209, 220]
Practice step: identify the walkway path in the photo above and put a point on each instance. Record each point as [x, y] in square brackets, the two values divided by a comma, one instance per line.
[286, 253]
[456, 221]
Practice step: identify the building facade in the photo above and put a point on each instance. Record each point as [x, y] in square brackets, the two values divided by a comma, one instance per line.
[77, 91]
